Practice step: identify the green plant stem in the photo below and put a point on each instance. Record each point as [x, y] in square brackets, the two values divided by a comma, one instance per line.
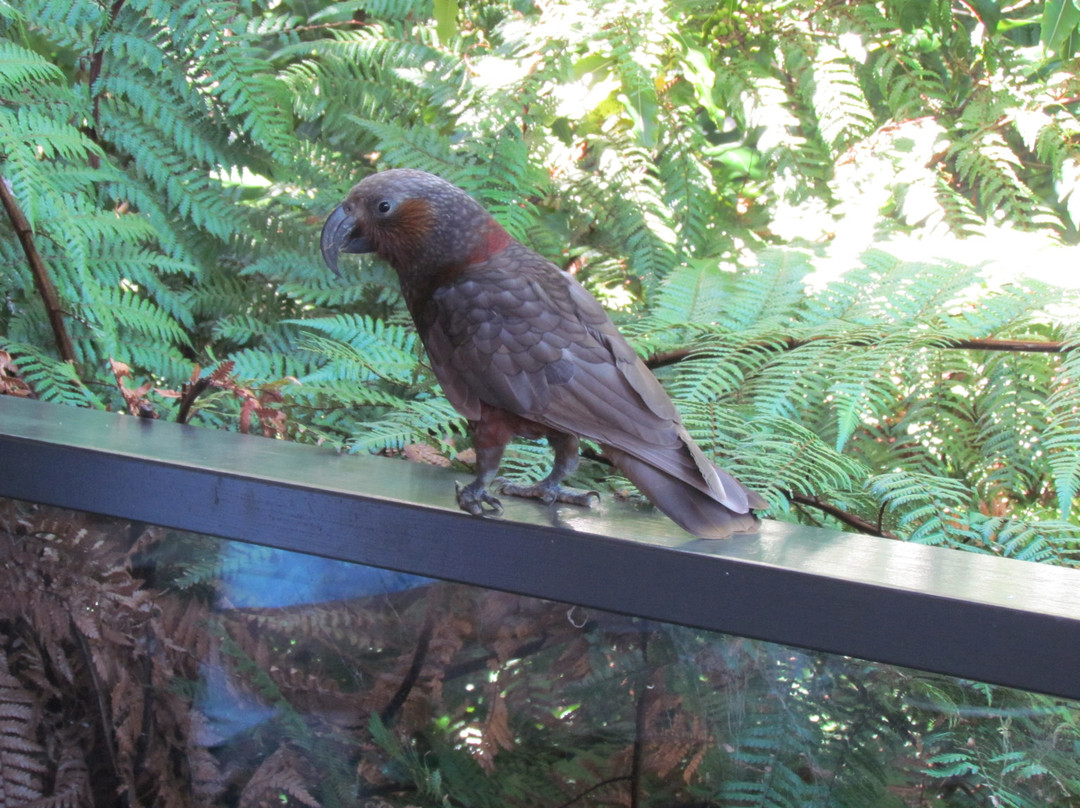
[42, 280]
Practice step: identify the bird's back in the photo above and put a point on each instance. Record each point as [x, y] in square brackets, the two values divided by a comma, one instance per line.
[517, 333]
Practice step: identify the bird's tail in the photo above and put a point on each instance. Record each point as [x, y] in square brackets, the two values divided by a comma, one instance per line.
[691, 508]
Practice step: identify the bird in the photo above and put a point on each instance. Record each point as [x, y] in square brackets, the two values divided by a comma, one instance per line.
[521, 348]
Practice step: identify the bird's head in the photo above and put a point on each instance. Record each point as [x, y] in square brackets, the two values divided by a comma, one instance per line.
[415, 220]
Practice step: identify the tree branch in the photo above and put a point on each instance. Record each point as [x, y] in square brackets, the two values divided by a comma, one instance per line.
[97, 62]
[412, 676]
[849, 519]
[42, 281]
[988, 344]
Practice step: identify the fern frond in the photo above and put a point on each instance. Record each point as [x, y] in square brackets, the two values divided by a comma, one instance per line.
[241, 78]
[51, 379]
[985, 163]
[689, 190]
[22, 770]
[416, 421]
[1061, 440]
[768, 292]
[933, 510]
[1013, 412]
[21, 69]
[867, 386]
[42, 191]
[139, 315]
[1056, 144]
[161, 108]
[363, 348]
[908, 89]
[189, 191]
[1045, 540]
[837, 100]
[424, 149]
[262, 364]
[793, 458]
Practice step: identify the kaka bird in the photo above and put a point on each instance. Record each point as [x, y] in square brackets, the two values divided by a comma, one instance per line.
[521, 348]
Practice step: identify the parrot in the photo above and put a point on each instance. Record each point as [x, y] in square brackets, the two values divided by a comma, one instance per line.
[522, 349]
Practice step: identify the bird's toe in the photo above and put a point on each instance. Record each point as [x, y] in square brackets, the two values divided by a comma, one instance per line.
[476, 499]
[577, 496]
[547, 492]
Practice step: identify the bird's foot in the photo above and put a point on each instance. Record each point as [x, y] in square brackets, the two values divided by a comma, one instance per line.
[474, 498]
[547, 492]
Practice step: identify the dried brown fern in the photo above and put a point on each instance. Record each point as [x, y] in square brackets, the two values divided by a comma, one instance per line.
[98, 694]
[22, 767]
[98, 655]
[11, 381]
[285, 772]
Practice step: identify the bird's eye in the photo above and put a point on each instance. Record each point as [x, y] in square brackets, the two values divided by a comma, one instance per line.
[384, 206]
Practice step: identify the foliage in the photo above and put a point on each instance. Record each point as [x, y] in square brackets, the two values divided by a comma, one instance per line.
[441, 694]
[172, 164]
[784, 205]
[686, 161]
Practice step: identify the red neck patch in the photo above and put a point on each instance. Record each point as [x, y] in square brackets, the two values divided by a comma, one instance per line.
[496, 239]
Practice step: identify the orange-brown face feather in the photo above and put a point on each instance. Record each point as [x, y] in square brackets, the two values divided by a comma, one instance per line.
[400, 235]
[426, 228]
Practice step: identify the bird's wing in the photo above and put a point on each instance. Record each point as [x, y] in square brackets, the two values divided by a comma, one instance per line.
[517, 333]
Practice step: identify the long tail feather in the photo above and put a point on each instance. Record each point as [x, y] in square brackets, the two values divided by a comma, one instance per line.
[692, 509]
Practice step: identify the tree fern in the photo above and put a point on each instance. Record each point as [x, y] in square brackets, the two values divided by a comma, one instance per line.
[180, 218]
[931, 510]
[986, 164]
[367, 349]
[1060, 441]
[700, 167]
[50, 378]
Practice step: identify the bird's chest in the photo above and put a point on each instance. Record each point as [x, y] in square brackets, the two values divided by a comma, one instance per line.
[493, 314]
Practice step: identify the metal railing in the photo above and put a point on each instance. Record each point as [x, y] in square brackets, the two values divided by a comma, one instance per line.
[979, 617]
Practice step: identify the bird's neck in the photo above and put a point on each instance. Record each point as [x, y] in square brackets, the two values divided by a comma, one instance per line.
[492, 240]
[426, 272]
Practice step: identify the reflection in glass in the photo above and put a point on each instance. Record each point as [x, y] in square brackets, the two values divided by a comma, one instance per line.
[176, 669]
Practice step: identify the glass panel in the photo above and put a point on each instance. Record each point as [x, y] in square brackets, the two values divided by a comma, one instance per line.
[176, 669]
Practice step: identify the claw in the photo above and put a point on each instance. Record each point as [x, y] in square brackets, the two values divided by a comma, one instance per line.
[547, 492]
[472, 498]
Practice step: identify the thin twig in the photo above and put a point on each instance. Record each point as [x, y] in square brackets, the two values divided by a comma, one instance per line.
[593, 788]
[42, 281]
[423, 642]
[127, 797]
[97, 62]
[790, 343]
[637, 759]
[849, 519]
[188, 394]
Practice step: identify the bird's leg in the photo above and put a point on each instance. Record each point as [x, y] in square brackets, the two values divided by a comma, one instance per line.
[549, 489]
[489, 444]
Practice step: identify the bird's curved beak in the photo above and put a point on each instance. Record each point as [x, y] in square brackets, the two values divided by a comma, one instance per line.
[341, 234]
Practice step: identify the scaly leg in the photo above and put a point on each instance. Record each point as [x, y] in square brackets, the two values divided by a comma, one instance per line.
[549, 490]
[490, 441]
